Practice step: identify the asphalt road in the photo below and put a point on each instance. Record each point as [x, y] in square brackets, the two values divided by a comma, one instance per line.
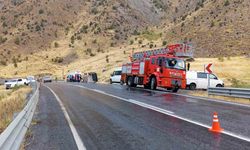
[49, 128]
[233, 118]
[105, 122]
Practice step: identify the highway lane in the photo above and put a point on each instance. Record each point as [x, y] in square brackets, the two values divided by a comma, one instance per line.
[49, 128]
[105, 122]
[233, 118]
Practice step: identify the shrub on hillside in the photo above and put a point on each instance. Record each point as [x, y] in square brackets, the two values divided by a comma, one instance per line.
[140, 42]
[94, 41]
[2, 39]
[107, 58]
[15, 65]
[212, 24]
[56, 45]
[226, 3]
[41, 11]
[3, 62]
[17, 41]
[164, 43]
[57, 60]
[136, 32]
[94, 10]
[131, 42]
[72, 39]
[92, 54]
[112, 44]
[79, 37]
[4, 24]
[221, 59]
[38, 28]
[151, 45]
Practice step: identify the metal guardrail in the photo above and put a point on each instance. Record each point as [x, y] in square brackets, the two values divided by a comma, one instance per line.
[232, 92]
[13, 135]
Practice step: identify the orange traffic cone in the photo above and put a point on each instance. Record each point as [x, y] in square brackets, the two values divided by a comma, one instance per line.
[216, 124]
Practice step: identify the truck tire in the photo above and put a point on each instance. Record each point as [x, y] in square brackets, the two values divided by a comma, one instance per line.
[175, 90]
[134, 85]
[192, 86]
[153, 83]
[219, 85]
[146, 86]
[130, 81]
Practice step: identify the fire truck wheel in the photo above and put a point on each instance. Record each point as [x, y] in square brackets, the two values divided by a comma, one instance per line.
[192, 86]
[153, 83]
[219, 85]
[130, 81]
[146, 86]
[175, 90]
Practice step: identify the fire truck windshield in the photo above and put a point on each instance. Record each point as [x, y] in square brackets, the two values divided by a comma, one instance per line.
[175, 64]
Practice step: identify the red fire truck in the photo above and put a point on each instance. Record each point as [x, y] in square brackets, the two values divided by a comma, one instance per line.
[164, 67]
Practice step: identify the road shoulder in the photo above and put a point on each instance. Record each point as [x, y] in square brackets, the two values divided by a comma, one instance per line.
[49, 128]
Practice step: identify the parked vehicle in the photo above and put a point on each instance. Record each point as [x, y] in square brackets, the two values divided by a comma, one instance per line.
[158, 68]
[115, 77]
[47, 79]
[15, 82]
[199, 80]
[93, 77]
[75, 76]
[31, 79]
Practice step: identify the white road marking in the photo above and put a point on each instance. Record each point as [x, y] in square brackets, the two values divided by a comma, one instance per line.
[151, 107]
[160, 110]
[194, 97]
[99, 91]
[79, 142]
[131, 101]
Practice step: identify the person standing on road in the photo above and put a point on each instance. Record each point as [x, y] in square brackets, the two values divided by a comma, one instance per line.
[188, 66]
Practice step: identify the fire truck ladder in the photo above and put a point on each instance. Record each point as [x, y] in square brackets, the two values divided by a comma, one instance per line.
[179, 50]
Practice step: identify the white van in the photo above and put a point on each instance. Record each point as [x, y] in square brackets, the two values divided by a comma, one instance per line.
[199, 80]
[115, 77]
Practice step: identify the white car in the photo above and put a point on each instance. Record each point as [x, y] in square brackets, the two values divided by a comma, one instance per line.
[15, 82]
[31, 79]
[199, 80]
[115, 77]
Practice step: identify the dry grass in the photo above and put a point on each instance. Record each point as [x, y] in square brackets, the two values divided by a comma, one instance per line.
[11, 101]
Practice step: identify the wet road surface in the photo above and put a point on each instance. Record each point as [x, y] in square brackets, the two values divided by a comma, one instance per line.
[105, 122]
[49, 128]
[233, 118]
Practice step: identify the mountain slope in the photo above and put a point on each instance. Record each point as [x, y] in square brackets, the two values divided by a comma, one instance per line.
[63, 33]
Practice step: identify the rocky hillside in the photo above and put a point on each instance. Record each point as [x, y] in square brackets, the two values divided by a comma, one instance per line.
[88, 27]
